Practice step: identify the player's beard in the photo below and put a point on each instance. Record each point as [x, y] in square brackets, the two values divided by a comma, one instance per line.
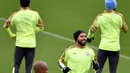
[82, 43]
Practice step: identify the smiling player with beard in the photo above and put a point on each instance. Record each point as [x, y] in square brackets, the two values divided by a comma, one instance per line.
[79, 57]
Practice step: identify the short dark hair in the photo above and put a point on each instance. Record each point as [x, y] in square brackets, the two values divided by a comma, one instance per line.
[24, 3]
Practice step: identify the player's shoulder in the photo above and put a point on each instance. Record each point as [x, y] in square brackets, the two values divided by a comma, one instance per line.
[35, 12]
[13, 14]
[100, 14]
[118, 13]
[89, 49]
[71, 47]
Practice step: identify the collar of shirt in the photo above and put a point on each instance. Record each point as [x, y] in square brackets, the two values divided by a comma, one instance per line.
[109, 12]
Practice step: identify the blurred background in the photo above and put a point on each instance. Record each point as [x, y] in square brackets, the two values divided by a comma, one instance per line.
[61, 18]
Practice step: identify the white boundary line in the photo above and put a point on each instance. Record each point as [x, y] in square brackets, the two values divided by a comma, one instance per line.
[68, 39]
[3, 19]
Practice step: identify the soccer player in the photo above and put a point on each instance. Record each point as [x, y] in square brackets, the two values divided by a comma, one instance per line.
[27, 23]
[79, 57]
[40, 67]
[110, 24]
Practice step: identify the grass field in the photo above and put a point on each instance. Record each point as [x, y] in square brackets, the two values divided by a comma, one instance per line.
[61, 17]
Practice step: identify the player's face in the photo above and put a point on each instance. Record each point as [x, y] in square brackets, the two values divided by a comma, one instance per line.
[82, 39]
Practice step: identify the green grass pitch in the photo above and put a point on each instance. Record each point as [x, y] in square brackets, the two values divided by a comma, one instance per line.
[61, 17]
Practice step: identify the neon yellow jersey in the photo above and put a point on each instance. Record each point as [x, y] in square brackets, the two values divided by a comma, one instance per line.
[79, 60]
[25, 22]
[110, 25]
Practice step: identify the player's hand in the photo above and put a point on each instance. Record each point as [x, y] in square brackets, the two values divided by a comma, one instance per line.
[95, 66]
[13, 36]
[89, 40]
[66, 70]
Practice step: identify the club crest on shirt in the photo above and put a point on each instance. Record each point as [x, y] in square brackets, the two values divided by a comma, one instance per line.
[87, 54]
